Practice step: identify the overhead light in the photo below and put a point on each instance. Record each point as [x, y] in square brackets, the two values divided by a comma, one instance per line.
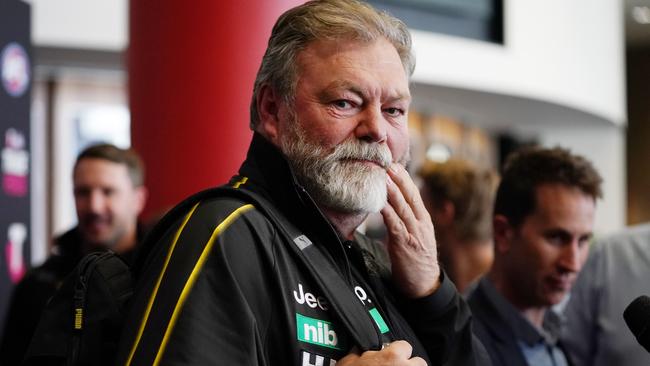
[641, 14]
[438, 152]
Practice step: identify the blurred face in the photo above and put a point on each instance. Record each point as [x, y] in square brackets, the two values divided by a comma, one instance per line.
[107, 202]
[544, 255]
[348, 122]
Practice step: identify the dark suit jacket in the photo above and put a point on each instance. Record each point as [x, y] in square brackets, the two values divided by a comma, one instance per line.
[495, 332]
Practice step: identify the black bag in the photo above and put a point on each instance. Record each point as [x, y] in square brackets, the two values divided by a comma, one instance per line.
[82, 322]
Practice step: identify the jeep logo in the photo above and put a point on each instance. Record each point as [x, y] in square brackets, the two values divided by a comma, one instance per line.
[310, 299]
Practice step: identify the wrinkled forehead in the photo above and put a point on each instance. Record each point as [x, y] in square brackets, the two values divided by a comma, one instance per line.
[339, 45]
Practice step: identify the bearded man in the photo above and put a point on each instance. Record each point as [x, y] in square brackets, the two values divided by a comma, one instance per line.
[329, 115]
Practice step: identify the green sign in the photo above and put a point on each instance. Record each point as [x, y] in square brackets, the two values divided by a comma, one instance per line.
[316, 331]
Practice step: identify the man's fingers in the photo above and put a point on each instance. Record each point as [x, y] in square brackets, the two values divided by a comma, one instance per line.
[400, 350]
[398, 174]
[392, 221]
[397, 353]
[350, 359]
[401, 207]
[417, 361]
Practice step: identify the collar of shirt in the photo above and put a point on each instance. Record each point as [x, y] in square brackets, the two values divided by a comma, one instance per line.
[521, 327]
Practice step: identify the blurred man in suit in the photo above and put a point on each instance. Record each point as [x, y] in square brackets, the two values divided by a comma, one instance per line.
[543, 220]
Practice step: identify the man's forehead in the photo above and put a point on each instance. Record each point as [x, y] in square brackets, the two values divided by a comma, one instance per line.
[358, 67]
[100, 169]
[552, 194]
[564, 206]
[100, 163]
[396, 94]
[320, 49]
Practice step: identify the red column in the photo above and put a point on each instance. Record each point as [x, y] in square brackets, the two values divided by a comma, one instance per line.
[191, 71]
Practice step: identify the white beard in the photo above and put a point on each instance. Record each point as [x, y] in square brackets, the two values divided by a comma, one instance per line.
[337, 180]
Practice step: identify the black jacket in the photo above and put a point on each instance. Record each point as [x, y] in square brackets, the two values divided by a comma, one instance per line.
[494, 330]
[30, 295]
[222, 288]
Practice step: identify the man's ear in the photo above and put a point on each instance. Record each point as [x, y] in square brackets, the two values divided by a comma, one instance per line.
[503, 232]
[268, 107]
[444, 214]
[140, 198]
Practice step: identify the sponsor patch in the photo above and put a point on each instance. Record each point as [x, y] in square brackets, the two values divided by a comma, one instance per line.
[383, 327]
[302, 242]
[15, 69]
[316, 331]
[310, 299]
[309, 359]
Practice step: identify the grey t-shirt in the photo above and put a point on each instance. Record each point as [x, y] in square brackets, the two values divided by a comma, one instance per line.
[617, 271]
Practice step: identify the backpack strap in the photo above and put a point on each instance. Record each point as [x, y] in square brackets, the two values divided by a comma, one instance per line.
[68, 330]
[347, 307]
[107, 264]
[84, 271]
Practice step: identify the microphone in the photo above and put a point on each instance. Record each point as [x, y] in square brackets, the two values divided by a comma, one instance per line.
[637, 318]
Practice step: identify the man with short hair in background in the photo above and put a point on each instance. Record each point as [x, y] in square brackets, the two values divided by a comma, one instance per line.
[543, 221]
[459, 195]
[109, 195]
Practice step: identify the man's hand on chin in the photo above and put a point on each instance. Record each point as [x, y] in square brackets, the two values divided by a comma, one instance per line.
[411, 238]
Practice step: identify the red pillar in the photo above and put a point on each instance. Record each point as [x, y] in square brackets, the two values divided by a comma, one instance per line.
[191, 71]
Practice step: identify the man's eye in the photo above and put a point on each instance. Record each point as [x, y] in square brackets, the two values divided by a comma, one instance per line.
[394, 112]
[342, 104]
[584, 241]
[555, 239]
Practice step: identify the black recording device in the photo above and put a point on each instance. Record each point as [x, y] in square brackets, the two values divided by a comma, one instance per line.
[637, 317]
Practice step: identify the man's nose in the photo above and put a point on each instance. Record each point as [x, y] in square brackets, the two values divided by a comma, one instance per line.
[96, 201]
[372, 126]
[571, 260]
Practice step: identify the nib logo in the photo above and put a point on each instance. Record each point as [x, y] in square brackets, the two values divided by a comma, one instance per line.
[316, 331]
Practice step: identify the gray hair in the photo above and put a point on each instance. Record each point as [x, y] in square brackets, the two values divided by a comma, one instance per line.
[329, 20]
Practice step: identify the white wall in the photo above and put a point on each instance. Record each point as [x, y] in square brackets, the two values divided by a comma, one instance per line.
[93, 24]
[564, 52]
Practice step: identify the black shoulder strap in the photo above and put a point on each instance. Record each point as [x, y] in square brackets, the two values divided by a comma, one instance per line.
[84, 271]
[345, 303]
[67, 330]
[347, 307]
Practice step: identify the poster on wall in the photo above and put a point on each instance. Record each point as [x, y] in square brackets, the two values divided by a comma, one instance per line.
[15, 100]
